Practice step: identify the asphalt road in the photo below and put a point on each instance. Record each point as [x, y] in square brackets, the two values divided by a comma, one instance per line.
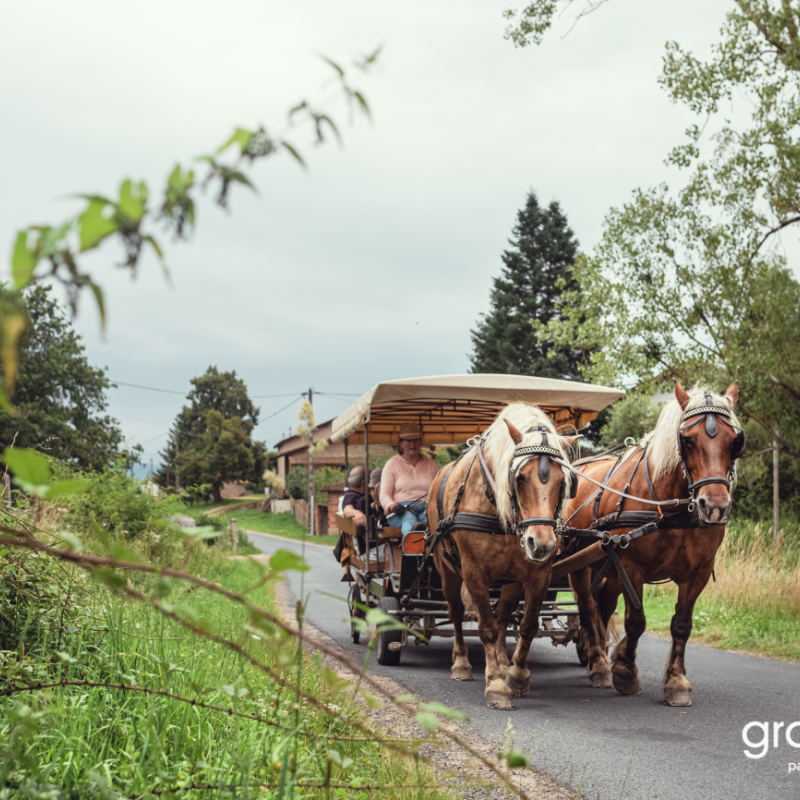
[620, 747]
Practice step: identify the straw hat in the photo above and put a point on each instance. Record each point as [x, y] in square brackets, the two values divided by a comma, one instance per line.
[408, 430]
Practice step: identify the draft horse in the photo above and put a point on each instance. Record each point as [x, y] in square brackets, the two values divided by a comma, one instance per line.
[690, 457]
[494, 512]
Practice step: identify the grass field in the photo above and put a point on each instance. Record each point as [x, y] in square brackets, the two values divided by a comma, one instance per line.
[754, 605]
[283, 525]
[79, 741]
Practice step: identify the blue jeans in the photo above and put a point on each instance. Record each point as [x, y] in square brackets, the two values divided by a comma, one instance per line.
[409, 516]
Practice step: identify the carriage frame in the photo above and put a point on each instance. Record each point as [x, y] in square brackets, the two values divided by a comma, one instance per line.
[399, 578]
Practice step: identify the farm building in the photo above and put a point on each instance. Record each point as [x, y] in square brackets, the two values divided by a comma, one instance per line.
[293, 451]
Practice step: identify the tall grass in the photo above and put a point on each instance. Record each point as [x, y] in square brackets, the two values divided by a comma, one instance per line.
[754, 603]
[80, 741]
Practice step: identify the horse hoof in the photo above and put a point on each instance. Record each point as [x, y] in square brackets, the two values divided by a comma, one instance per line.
[461, 674]
[600, 680]
[677, 699]
[497, 700]
[627, 687]
[518, 688]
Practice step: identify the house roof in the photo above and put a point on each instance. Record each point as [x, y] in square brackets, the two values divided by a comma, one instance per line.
[320, 433]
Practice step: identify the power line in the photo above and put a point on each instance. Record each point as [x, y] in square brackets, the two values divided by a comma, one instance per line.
[253, 397]
[280, 409]
[149, 388]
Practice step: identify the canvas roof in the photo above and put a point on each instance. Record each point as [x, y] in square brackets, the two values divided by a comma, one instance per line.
[452, 408]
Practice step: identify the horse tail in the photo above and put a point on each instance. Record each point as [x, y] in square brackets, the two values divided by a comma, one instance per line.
[614, 631]
[470, 613]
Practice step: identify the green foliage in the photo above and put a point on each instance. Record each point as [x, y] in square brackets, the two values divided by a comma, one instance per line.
[217, 391]
[753, 494]
[694, 283]
[221, 453]
[38, 596]
[59, 397]
[196, 493]
[284, 525]
[114, 503]
[534, 274]
[634, 415]
[297, 483]
[529, 24]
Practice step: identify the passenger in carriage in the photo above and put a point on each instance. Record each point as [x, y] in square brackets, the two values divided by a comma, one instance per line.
[406, 479]
[353, 500]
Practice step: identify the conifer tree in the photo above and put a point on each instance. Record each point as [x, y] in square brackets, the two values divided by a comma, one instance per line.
[543, 247]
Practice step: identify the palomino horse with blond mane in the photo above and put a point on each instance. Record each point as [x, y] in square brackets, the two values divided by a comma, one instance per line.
[503, 495]
[690, 458]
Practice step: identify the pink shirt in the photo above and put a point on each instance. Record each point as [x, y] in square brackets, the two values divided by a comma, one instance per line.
[402, 482]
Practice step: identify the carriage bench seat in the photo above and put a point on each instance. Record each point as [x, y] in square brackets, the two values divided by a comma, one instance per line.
[349, 529]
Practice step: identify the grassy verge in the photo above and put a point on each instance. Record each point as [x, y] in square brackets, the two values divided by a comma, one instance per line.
[196, 508]
[79, 741]
[283, 525]
[753, 606]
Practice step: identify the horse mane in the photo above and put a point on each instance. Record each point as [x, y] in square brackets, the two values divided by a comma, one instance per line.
[663, 457]
[499, 449]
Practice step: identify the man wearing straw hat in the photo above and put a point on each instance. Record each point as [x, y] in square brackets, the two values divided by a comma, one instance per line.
[406, 479]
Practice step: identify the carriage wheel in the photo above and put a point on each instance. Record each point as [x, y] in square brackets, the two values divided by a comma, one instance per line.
[385, 654]
[354, 596]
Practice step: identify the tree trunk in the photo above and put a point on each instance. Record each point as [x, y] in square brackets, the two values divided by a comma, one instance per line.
[215, 491]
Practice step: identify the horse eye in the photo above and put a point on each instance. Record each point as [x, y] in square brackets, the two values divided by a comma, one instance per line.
[521, 479]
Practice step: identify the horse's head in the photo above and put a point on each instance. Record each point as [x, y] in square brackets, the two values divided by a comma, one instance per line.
[709, 442]
[537, 486]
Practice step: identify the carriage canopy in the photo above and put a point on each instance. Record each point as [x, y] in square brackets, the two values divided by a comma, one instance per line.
[449, 409]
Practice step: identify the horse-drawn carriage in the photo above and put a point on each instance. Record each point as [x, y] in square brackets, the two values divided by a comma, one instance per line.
[400, 576]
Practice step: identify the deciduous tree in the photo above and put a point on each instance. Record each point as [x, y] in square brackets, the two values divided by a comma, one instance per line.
[227, 394]
[222, 452]
[694, 283]
[60, 398]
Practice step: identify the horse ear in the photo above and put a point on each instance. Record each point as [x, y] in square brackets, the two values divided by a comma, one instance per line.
[513, 432]
[570, 440]
[680, 394]
[733, 392]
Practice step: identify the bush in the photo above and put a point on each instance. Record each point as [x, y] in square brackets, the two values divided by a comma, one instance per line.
[297, 483]
[196, 494]
[634, 416]
[114, 503]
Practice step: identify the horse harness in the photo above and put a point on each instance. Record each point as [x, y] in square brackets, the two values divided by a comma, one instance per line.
[642, 522]
[647, 522]
[490, 523]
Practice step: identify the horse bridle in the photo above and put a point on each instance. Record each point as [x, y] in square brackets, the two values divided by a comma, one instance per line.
[709, 412]
[544, 452]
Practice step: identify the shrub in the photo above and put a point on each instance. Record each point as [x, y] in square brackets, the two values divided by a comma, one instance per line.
[634, 416]
[297, 483]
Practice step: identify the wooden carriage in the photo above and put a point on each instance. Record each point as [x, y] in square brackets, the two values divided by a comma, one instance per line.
[398, 576]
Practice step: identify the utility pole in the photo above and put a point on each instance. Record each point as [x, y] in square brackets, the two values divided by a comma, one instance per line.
[311, 503]
[151, 469]
[776, 513]
[177, 468]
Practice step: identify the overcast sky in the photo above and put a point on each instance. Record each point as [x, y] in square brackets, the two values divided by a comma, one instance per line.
[376, 262]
